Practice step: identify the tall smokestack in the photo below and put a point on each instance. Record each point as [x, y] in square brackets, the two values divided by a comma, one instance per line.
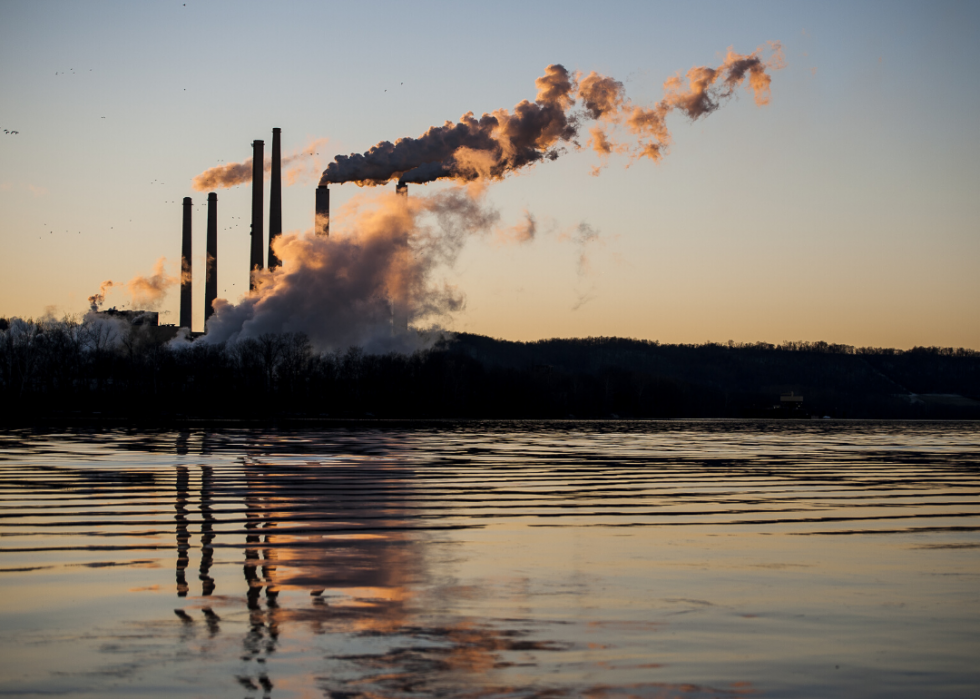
[399, 317]
[211, 263]
[185, 268]
[275, 198]
[321, 225]
[258, 158]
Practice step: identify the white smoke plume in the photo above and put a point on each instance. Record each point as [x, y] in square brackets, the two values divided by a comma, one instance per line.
[296, 168]
[499, 143]
[343, 290]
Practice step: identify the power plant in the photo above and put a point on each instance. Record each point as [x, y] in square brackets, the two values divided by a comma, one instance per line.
[257, 261]
[257, 246]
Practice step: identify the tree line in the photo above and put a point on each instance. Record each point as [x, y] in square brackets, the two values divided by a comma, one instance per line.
[95, 366]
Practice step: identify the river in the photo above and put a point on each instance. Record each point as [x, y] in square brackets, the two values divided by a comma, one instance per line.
[497, 559]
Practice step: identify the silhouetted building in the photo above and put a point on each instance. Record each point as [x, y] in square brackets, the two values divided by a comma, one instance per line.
[149, 318]
[790, 401]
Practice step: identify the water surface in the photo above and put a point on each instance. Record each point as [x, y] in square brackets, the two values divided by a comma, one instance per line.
[615, 559]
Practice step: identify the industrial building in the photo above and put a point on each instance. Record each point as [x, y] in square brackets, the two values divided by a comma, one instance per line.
[257, 257]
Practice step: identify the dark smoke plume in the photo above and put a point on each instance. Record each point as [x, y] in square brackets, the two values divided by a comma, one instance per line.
[496, 144]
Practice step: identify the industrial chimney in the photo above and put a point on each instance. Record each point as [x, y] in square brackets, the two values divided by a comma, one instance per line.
[399, 316]
[321, 223]
[211, 263]
[275, 198]
[258, 159]
[185, 268]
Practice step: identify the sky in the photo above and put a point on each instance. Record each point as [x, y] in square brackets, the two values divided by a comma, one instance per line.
[845, 210]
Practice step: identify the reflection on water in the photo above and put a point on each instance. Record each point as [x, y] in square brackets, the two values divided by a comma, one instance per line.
[695, 559]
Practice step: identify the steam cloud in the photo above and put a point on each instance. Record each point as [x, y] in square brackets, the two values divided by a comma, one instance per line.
[497, 144]
[343, 290]
[145, 291]
[233, 174]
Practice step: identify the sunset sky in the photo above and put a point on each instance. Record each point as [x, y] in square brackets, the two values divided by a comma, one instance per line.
[846, 210]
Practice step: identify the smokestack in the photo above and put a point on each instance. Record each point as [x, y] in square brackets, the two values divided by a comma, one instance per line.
[211, 264]
[275, 198]
[185, 268]
[258, 157]
[399, 317]
[321, 224]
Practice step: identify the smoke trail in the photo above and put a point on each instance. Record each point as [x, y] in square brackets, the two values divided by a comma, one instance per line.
[146, 292]
[523, 232]
[96, 300]
[343, 290]
[499, 143]
[224, 176]
[233, 174]
[504, 141]
[705, 91]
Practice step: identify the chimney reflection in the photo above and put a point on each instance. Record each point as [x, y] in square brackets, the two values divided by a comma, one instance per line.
[183, 537]
[207, 531]
[348, 536]
[252, 517]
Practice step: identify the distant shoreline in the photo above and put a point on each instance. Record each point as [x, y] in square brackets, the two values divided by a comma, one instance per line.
[167, 424]
[123, 374]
